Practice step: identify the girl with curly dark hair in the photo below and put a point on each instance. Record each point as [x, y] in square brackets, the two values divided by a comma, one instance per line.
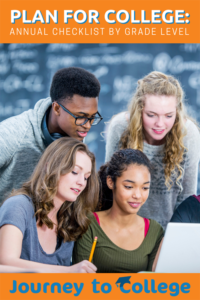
[126, 242]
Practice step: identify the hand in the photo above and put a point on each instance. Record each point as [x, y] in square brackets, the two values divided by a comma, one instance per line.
[83, 267]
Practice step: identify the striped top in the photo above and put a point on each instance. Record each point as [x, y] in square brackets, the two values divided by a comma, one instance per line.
[109, 258]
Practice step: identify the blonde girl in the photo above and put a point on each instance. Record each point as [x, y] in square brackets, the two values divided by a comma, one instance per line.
[158, 125]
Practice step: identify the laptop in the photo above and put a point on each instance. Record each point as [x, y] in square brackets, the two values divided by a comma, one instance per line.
[180, 252]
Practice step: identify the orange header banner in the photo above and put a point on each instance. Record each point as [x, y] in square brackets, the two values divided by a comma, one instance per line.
[98, 21]
[99, 286]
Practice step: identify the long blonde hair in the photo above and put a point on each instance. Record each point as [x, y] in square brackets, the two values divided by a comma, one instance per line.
[59, 159]
[157, 83]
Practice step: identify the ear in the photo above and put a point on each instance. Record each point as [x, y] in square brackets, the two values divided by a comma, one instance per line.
[110, 183]
[56, 108]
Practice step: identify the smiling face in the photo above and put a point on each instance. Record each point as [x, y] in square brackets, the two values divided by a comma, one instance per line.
[80, 107]
[72, 184]
[131, 189]
[158, 117]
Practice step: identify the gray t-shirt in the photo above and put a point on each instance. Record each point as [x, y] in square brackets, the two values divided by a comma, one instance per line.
[19, 211]
[162, 202]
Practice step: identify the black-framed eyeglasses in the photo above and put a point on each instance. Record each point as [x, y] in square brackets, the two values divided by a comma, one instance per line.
[83, 120]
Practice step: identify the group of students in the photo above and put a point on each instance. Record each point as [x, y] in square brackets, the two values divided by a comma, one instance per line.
[60, 203]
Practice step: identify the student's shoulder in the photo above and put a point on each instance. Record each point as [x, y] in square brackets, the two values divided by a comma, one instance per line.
[14, 121]
[118, 124]
[192, 130]
[121, 118]
[17, 211]
[19, 204]
[12, 131]
[94, 221]
[93, 218]
[188, 211]
[192, 140]
[21, 122]
[155, 227]
[92, 231]
[188, 203]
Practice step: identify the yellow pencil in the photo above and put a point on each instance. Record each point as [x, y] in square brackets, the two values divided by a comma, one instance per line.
[93, 248]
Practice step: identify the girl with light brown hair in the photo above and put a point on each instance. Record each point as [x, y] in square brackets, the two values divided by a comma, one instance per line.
[40, 222]
[158, 125]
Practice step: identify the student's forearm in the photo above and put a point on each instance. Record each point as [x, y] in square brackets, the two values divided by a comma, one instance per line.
[11, 269]
[35, 266]
[83, 267]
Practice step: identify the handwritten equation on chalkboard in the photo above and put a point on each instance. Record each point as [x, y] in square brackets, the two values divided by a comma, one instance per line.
[26, 71]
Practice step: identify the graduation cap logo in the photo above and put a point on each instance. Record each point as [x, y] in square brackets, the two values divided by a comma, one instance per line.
[122, 280]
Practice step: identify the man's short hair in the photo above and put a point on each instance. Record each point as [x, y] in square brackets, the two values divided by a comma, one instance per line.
[69, 81]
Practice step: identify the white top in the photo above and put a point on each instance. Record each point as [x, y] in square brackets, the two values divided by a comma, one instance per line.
[162, 202]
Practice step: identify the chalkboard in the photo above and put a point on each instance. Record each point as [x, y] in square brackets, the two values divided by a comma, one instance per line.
[26, 71]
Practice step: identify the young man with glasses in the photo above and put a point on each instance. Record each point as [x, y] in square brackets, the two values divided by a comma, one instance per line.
[71, 110]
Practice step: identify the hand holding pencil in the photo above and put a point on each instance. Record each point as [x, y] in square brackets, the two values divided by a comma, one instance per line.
[86, 266]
